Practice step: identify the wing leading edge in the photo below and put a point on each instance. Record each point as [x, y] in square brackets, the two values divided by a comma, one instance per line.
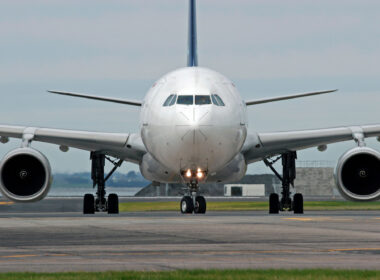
[286, 97]
[101, 98]
[262, 145]
[125, 146]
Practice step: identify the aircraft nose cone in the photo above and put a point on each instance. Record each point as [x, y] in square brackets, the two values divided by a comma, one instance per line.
[192, 125]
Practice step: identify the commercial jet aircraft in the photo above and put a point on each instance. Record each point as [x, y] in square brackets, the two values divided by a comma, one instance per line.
[193, 130]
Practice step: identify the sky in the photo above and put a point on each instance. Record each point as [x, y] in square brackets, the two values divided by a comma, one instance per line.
[119, 48]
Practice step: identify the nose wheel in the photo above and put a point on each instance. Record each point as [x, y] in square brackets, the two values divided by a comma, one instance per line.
[193, 204]
[200, 205]
[187, 206]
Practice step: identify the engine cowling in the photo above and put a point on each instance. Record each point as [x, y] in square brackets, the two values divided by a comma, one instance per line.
[357, 174]
[25, 175]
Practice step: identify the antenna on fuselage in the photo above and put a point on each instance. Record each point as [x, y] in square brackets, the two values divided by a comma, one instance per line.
[192, 56]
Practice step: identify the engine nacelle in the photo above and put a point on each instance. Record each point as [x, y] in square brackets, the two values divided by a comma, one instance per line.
[357, 174]
[25, 175]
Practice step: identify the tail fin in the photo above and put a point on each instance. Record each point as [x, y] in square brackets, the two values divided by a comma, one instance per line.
[192, 56]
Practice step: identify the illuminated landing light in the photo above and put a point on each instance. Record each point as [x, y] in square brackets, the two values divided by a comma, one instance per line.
[199, 173]
[188, 173]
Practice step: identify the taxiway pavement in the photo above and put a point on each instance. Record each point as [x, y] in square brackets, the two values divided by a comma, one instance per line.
[56, 240]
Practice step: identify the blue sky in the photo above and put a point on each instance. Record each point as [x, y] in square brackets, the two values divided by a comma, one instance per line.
[118, 48]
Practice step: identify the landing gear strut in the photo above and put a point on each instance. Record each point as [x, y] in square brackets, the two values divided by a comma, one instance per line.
[193, 202]
[287, 180]
[101, 204]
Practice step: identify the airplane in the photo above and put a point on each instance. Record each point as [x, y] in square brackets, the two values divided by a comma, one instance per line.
[193, 130]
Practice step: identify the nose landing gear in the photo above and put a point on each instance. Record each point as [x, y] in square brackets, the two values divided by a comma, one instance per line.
[193, 203]
[287, 180]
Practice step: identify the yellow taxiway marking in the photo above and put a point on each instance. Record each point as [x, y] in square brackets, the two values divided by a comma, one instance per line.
[353, 249]
[299, 219]
[6, 202]
[19, 256]
[321, 219]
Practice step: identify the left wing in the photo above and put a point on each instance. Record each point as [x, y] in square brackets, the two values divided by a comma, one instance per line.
[261, 145]
[124, 146]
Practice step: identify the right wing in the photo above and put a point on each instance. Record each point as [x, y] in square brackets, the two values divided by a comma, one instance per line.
[128, 147]
[101, 98]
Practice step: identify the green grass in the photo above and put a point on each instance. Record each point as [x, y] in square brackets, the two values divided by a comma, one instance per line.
[320, 274]
[247, 206]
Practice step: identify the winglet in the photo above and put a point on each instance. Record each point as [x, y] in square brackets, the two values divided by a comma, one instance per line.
[101, 98]
[286, 97]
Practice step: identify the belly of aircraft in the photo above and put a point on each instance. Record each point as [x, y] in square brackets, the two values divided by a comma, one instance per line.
[187, 147]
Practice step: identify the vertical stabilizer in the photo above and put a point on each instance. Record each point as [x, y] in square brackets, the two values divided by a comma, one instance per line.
[192, 56]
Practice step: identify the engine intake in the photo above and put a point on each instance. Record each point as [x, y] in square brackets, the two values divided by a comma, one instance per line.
[357, 174]
[25, 175]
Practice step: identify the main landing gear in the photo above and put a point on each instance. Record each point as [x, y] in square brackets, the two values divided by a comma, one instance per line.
[193, 202]
[101, 204]
[287, 179]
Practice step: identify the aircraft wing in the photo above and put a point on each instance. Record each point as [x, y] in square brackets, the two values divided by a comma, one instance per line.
[262, 145]
[124, 146]
[286, 97]
[101, 98]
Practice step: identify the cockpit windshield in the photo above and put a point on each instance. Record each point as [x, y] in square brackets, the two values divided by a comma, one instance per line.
[189, 100]
[185, 99]
[202, 99]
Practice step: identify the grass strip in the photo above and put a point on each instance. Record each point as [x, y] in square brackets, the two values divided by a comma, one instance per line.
[247, 206]
[268, 274]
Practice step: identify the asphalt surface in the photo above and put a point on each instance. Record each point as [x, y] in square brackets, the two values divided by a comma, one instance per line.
[45, 238]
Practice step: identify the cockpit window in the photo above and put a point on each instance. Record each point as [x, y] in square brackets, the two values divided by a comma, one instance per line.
[185, 99]
[217, 100]
[170, 100]
[202, 99]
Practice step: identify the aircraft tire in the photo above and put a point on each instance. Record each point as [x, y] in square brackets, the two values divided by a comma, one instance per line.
[274, 204]
[88, 204]
[201, 201]
[298, 203]
[113, 204]
[186, 205]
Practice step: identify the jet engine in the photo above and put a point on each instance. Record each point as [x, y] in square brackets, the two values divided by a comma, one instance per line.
[25, 175]
[357, 174]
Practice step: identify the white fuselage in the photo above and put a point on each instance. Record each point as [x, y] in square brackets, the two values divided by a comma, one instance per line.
[181, 137]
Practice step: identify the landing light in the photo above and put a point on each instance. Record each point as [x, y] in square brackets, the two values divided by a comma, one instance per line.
[188, 173]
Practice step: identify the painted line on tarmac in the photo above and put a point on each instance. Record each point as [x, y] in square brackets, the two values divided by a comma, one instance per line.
[299, 219]
[18, 256]
[6, 202]
[321, 219]
[354, 249]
